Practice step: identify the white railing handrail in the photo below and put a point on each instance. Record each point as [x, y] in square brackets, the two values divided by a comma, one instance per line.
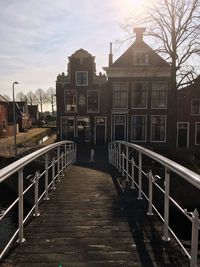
[54, 167]
[188, 175]
[21, 163]
[122, 155]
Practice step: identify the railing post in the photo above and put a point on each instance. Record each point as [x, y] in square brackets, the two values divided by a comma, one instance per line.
[58, 164]
[74, 153]
[120, 156]
[117, 157]
[53, 174]
[150, 176]
[37, 176]
[46, 176]
[62, 164]
[21, 238]
[166, 206]
[114, 155]
[140, 176]
[127, 163]
[123, 159]
[65, 157]
[195, 238]
[132, 173]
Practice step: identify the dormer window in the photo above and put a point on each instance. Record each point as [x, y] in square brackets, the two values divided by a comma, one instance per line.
[141, 58]
[81, 78]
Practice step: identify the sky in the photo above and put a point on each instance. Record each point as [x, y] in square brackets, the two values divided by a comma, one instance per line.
[37, 36]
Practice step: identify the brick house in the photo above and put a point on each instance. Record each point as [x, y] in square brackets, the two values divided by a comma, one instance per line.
[188, 119]
[22, 115]
[132, 105]
[81, 101]
[3, 116]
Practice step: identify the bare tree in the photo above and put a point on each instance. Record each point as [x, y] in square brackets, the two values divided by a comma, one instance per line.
[51, 98]
[41, 98]
[175, 27]
[21, 97]
[31, 98]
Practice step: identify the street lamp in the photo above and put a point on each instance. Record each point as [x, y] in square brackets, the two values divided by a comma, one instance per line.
[14, 119]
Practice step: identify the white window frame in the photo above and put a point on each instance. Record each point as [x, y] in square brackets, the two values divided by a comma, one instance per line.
[71, 111]
[61, 125]
[196, 123]
[126, 93]
[125, 125]
[77, 72]
[166, 98]
[141, 141]
[188, 132]
[164, 141]
[199, 107]
[95, 125]
[88, 111]
[146, 94]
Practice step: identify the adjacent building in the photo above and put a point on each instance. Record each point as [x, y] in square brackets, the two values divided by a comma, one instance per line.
[188, 119]
[3, 116]
[82, 106]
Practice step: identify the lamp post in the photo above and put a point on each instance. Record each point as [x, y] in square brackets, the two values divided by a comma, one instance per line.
[14, 118]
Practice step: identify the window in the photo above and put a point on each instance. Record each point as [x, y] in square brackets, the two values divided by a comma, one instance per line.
[93, 101]
[138, 128]
[120, 95]
[71, 100]
[68, 127]
[81, 78]
[197, 133]
[182, 134]
[159, 95]
[158, 128]
[84, 129]
[141, 58]
[139, 95]
[195, 106]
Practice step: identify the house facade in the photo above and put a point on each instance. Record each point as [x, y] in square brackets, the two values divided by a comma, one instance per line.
[139, 87]
[81, 101]
[188, 119]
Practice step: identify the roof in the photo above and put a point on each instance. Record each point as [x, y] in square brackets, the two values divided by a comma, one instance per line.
[126, 59]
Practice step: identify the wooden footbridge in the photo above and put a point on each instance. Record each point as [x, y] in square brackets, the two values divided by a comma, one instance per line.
[93, 215]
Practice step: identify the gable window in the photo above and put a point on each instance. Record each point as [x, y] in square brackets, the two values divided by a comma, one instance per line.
[141, 58]
[197, 133]
[120, 95]
[139, 95]
[158, 128]
[138, 128]
[71, 100]
[195, 106]
[159, 95]
[93, 101]
[81, 78]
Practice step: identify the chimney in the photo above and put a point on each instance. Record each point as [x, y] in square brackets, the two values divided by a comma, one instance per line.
[139, 33]
[110, 56]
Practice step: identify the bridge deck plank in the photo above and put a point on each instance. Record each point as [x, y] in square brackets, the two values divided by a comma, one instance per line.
[87, 222]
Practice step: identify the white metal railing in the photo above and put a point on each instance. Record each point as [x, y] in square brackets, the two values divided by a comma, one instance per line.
[56, 159]
[128, 159]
